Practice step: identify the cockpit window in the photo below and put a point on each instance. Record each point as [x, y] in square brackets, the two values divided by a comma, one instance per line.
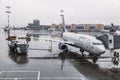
[97, 43]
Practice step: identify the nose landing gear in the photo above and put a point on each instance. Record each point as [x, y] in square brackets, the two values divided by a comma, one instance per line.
[95, 59]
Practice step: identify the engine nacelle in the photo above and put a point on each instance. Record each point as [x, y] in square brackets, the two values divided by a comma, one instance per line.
[62, 46]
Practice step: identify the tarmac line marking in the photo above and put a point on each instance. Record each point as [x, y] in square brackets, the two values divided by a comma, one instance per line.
[19, 71]
[7, 78]
[63, 78]
[38, 75]
[15, 78]
[47, 78]
[1, 72]
[18, 78]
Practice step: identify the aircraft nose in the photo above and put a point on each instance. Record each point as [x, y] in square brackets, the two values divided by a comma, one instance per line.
[101, 50]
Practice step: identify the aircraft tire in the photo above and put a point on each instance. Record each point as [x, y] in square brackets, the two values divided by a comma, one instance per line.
[95, 59]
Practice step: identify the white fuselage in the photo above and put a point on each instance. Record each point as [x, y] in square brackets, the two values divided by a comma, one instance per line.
[87, 43]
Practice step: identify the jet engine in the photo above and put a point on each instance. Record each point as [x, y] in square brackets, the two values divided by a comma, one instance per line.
[63, 46]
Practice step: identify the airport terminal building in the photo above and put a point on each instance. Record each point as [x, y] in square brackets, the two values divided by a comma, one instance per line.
[36, 25]
[71, 27]
[85, 27]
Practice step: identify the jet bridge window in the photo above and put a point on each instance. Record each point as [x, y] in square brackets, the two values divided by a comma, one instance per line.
[110, 41]
[97, 43]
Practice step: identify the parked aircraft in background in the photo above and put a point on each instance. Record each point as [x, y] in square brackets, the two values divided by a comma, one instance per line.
[112, 30]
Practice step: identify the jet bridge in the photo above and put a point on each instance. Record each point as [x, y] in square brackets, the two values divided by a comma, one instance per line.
[111, 41]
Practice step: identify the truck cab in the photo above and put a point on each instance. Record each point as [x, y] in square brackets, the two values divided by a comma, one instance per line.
[22, 48]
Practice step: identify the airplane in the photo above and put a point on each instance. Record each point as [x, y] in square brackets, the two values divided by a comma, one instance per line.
[87, 43]
[112, 30]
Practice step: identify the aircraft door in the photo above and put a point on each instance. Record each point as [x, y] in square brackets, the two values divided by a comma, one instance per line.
[88, 44]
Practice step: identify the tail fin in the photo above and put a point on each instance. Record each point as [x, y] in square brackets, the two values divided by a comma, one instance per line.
[112, 28]
[63, 22]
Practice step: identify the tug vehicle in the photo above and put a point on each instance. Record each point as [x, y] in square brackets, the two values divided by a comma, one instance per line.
[17, 47]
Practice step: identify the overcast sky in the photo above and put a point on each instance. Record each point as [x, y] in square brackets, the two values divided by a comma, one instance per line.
[48, 11]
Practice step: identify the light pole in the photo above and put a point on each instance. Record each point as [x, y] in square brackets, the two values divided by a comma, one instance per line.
[8, 12]
[62, 11]
[62, 17]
